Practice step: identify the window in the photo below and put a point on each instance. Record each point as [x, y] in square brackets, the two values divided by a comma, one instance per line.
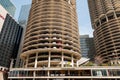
[110, 17]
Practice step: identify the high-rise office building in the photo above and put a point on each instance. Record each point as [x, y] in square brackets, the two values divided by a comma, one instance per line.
[23, 18]
[105, 18]
[10, 34]
[24, 13]
[87, 47]
[9, 6]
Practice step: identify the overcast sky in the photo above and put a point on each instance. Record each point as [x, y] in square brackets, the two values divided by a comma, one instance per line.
[82, 12]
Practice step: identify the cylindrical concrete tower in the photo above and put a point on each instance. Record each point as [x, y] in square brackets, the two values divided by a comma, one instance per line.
[52, 38]
[105, 17]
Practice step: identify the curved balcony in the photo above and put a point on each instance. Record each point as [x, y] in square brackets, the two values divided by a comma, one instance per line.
[52, 35]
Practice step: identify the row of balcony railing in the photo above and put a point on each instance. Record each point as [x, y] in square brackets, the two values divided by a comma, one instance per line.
[63, 73]
[107, 18]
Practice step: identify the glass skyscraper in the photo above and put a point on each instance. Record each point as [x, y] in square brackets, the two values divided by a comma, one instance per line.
[8, 5]
[24, 13]
[23, 18]
[84, 45]
[87, 47]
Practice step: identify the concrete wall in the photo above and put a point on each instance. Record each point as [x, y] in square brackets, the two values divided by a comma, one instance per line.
[1, 76]
[3, 13]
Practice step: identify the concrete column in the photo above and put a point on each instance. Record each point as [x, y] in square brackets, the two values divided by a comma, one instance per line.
[69, 72]
[49, 59]
[34, 75]
[23, 64]
[115, 15]
[36, 60]
[48, 73]
[107, 72]
[62, 65]
[26, 65]
[11, 64]
[77, 64]
[72, 60]
[100, 22]
[1, 76]
[106, 18]
[91, 72]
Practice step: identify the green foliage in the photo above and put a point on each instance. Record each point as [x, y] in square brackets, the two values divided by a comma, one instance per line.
[89, 64]
[104, 64]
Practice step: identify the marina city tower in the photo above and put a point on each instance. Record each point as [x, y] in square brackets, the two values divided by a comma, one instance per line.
[105, 17]
[51, 38]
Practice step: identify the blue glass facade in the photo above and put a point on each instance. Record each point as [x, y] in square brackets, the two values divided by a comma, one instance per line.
[8, 5]
[84, 45]
[87, 46]
[23, 18]
[24, 13]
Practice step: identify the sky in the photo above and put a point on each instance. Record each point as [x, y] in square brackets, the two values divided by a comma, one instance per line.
[84, 22]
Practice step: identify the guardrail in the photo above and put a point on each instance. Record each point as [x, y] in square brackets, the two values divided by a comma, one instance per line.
[104, 72]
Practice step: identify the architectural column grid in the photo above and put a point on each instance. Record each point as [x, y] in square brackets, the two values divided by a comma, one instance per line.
[36, 60]
[106, 30]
